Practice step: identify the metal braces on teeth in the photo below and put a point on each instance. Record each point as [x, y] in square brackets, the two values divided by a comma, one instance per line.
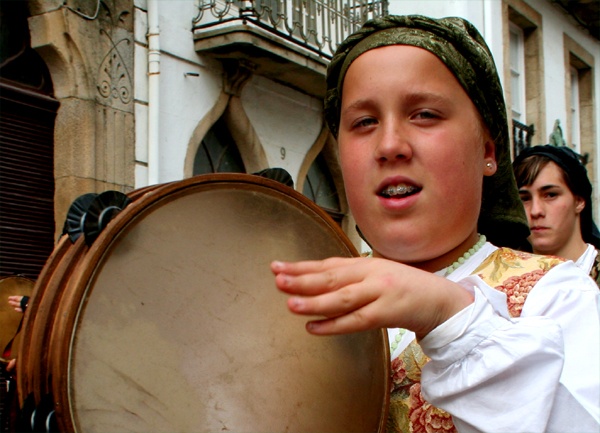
[398, 190]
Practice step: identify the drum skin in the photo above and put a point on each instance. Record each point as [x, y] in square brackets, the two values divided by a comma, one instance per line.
[171, 321]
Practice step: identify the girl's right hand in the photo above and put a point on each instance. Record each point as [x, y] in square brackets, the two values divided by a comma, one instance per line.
[356, 294]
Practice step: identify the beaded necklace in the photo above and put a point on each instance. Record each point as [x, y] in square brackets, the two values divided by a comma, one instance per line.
[397, 340]
[454, 266]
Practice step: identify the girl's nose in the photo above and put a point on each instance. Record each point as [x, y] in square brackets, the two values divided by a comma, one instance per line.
[393, 145]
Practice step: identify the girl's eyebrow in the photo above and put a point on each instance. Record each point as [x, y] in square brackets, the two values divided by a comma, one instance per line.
[418, 97]
[359, 103]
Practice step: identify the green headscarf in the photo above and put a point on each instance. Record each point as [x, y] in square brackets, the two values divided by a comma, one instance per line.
[458, 44]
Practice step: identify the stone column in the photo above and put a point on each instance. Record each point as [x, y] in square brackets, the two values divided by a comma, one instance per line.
[88, 48]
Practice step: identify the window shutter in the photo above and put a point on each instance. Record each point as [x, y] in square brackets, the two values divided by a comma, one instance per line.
[26, 180]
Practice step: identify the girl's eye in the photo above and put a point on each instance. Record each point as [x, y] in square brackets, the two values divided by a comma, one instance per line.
[425, 115]
[363, 122]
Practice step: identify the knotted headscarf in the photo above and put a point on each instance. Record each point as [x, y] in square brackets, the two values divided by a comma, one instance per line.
[458, 44]
[578, 182]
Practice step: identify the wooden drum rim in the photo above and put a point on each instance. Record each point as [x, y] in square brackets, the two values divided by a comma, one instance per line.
[26, 361]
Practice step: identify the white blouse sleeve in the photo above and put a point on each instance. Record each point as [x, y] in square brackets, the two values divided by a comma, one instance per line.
[536, 373]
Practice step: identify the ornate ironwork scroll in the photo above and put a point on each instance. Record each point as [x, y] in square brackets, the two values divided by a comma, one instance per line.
[318, 25]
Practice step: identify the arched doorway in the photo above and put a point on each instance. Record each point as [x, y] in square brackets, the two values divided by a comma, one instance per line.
[27, 113]
[218, 152]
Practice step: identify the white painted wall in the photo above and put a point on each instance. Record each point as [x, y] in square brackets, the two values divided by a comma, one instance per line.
[483, 14]
[183, 99]
[286, 121]
[282, 117]
[469, 9]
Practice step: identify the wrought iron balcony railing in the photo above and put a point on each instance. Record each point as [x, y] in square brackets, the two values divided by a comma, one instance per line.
[317, 25]
[522, 135]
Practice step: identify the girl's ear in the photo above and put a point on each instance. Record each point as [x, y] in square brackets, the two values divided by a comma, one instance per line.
[579, 204]
[489, 157]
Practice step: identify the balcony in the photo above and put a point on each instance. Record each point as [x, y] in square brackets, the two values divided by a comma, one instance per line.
[289, 41]
[522, 135]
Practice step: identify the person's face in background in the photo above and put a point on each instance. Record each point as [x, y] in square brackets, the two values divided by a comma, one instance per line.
[413, 152]
[552, 211]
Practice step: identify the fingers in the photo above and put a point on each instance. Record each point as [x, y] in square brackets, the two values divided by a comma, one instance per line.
[311, 266]
[335, 288]
[359, 320]
[15, 301]
[332, 304]
[309, 278]
[11, 365]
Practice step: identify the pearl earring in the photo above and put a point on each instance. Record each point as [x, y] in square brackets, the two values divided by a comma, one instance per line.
[489, 165]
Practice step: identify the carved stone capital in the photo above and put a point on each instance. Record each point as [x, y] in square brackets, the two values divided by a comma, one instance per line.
[237, 74]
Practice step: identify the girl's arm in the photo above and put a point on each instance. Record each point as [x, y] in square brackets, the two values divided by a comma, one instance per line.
[537, 373]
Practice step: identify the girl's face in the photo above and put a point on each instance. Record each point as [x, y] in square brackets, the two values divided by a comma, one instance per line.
[552, 211]
[413, 152]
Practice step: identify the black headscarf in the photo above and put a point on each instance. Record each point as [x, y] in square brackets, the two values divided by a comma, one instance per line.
[580, 185]
[458, 44]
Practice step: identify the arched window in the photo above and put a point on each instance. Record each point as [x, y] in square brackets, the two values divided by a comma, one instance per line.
[320, 188]
[218, 152]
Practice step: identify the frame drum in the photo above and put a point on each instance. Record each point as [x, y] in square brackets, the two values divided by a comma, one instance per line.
[172, 322]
